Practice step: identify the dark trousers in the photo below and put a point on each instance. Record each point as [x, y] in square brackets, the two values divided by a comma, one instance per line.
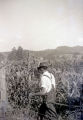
[42, 111]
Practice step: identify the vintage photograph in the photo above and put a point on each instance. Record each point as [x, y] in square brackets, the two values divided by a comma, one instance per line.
[41, 59]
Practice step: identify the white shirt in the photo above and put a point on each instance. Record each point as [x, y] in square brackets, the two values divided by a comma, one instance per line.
[47, 80]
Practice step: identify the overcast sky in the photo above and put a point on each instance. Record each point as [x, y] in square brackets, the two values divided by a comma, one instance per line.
[40, 24]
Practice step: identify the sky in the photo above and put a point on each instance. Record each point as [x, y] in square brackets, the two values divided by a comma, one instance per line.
[40, 24]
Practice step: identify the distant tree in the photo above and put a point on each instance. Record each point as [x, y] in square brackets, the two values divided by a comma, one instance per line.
[20, 53]
[1, 57]
[12, 54]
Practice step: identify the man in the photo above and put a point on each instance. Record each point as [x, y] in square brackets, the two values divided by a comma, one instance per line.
[47, 89]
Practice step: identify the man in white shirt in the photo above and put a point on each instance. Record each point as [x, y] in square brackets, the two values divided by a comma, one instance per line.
[47, 89]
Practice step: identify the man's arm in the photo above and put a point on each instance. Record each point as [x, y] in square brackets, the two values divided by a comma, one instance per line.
[42, 92]
[42, 88]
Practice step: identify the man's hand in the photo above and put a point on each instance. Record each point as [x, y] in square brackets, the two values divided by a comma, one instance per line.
[31, 95]
[42, 92]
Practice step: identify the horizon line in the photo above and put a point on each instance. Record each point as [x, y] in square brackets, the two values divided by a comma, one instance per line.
[43, 49]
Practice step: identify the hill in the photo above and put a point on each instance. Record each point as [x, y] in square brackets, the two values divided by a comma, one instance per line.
[48, 53]
[70, 50]
[63, 50]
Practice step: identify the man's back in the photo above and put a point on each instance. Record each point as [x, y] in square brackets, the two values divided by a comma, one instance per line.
[48, 82]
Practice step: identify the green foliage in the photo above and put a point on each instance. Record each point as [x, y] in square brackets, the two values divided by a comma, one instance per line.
[22, 79]
[18, 77]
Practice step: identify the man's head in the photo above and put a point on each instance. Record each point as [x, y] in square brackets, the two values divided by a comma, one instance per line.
[42, 67]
